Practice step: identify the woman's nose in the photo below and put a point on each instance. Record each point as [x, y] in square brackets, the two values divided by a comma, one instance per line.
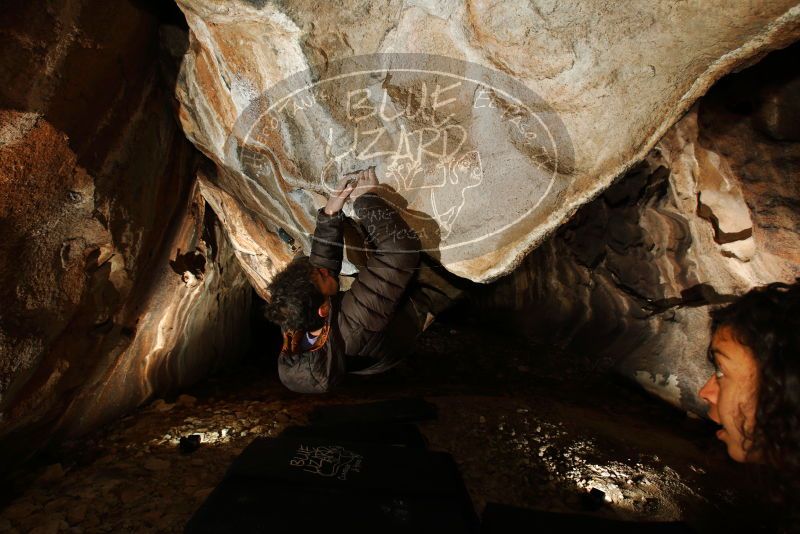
[710, 390]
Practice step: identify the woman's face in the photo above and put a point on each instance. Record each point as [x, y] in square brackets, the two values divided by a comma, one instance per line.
[731, 393]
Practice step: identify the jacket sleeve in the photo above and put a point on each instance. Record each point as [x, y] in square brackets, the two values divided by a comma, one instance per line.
[327, 244]
[369, 305]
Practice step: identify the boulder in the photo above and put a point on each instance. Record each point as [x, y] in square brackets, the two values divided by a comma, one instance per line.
[490, 123]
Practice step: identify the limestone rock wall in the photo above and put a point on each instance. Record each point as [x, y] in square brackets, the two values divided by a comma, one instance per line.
[712, 212]
[116, 284]
[492, 121]
[491, 124]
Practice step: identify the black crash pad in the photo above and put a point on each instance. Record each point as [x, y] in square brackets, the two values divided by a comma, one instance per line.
[405, 435]
[301, 484]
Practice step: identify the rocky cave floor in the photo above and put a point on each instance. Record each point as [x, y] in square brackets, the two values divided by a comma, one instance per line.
[525, 428]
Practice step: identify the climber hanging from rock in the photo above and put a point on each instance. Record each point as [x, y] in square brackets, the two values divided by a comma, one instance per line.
[368, 329]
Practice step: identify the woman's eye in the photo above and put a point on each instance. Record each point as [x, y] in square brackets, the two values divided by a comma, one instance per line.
[718, 373]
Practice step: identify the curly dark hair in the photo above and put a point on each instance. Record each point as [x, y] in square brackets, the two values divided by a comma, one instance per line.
[294, 299]
[767, 321]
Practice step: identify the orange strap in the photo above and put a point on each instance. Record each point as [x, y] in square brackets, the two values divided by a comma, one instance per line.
[291, 340]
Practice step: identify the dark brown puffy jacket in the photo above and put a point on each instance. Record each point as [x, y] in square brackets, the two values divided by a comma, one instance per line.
[368, 329]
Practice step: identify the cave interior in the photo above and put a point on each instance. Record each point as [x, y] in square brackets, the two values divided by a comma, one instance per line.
[558, 388]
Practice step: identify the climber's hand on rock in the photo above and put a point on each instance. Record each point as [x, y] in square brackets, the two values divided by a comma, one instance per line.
[367, 183]
[339, 195]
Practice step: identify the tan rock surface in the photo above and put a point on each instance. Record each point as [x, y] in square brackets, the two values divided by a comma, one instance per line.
[589, 90]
